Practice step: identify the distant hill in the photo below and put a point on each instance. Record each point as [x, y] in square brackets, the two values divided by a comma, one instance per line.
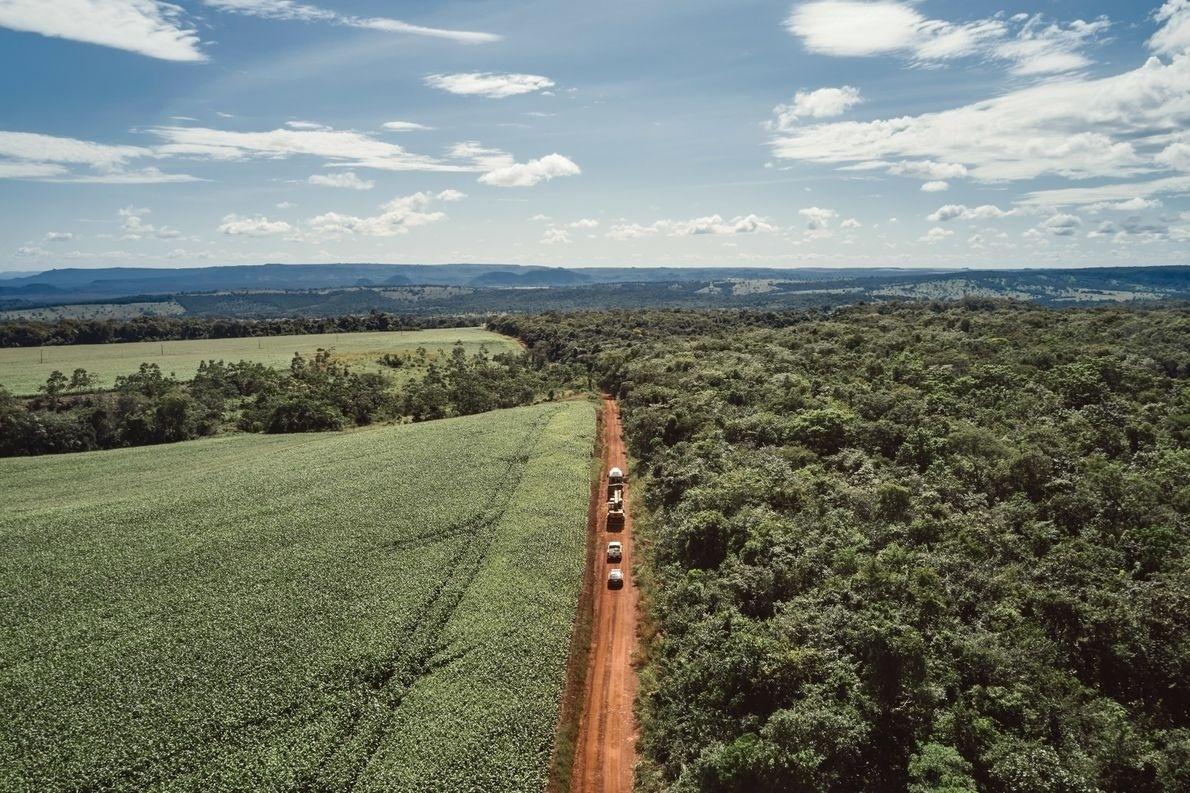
[553, 276]
[111, 282]
[334, 289]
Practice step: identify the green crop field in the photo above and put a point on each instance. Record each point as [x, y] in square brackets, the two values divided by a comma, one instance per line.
[23, 369]
[387, 608]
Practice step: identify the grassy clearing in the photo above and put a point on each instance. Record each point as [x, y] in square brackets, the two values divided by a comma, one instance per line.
[380, 609]
[23, 369]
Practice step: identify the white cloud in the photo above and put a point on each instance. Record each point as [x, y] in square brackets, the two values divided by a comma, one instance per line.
[936, 186]
[555, 236]
[818, 219]
[527, 174]
[258, 226]
[848, 28]
[710, 225]
[58, 236]
[1174, 35]
[850, 223]
[585, 223]
[1061, 225]
[347, 147]
[32, 251]
[306, 125]
[491, 85]
[286, 205]
[936, 234]
[346, 180]
[147, 27]
[962, 212]
[292, 10]
[1131, 205]
[855, 28]
[451, 195]
[823, 103]
[396, 217]
[928, 169]
[1175, 156]
[31, 155]
[34, 146]
[747, 224]
[405, 126]
[1077, 128]
[135, 227]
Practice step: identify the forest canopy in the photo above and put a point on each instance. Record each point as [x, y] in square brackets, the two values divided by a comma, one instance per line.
[925, 547]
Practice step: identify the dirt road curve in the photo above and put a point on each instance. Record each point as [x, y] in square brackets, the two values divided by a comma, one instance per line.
[606, 749]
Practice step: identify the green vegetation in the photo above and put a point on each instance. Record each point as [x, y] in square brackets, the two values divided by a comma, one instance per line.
[155, 308]
[318, 393]
[929, 547]
[381, 609]
[22, 370]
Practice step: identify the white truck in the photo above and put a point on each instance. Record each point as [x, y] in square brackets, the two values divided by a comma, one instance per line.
[615, 551]
[615, 579]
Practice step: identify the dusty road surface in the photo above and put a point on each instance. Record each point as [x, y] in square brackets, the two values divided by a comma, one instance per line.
[606, 749]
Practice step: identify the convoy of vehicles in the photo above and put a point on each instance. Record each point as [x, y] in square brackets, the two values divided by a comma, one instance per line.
[615, 522]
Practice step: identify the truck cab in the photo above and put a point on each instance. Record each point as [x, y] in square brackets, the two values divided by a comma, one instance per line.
[615, 551]
[615, 579]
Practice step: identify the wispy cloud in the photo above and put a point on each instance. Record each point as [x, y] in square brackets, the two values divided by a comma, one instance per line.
[861, 28]
[1078, 128]
[33, 156]
[406, 126]
[302, 12]
[148, 27]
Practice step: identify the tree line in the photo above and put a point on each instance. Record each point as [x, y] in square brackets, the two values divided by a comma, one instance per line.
[916, 547]
[35, 333]
[314, 394]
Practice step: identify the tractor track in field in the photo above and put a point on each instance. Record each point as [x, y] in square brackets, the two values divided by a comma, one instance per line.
[383, 681]
[605, 752]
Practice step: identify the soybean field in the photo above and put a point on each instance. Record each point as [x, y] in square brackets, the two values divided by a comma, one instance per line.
[23, 369]
[388, 608]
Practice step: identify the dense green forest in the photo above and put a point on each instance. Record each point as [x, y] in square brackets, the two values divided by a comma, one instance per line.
[926, 547]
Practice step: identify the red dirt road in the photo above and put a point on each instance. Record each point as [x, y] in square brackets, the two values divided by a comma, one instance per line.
[605, 754]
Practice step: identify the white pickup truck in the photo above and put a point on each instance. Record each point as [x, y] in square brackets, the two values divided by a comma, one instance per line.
[615, 551]
[615, 579]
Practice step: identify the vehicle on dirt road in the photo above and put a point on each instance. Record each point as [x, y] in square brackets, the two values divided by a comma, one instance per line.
[615, 476]
[615, 551]
[615, 513]
[615, 579]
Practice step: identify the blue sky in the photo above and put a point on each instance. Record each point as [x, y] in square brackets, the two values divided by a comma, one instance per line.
[676, 132]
